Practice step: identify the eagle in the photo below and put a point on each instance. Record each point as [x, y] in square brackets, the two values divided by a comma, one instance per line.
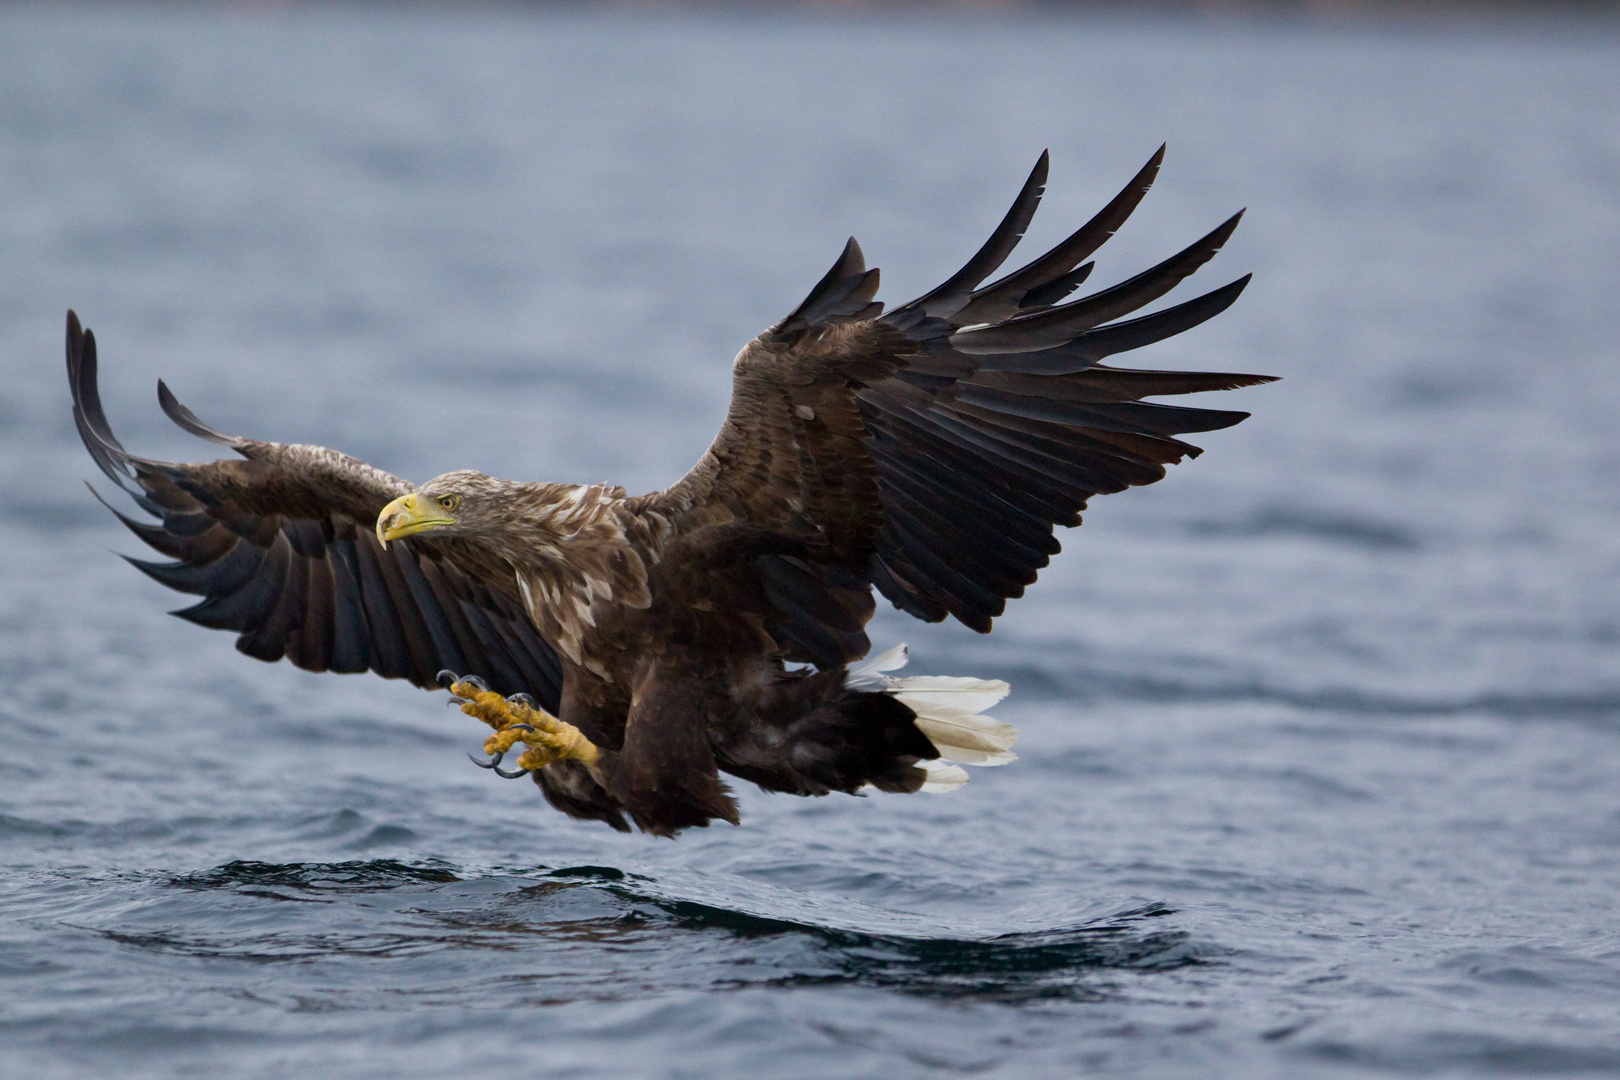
[639, 646]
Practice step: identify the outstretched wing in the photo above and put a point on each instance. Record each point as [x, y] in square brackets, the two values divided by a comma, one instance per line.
[282, 549]
[931, 451]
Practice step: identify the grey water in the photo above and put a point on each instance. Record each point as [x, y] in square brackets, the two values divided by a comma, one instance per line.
[1320, 766]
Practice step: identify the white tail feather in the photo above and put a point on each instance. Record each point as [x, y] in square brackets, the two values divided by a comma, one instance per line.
[949, 711]
[942, 777]
[868, 674]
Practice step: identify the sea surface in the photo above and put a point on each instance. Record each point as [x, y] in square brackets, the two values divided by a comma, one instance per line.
[1320, 767]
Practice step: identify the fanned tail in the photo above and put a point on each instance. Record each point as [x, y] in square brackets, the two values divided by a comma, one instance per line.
[950, 712]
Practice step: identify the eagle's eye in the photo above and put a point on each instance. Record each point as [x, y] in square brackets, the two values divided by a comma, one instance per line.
[449, 502]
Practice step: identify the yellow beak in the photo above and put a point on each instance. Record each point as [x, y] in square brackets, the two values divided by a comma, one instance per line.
[409, 515]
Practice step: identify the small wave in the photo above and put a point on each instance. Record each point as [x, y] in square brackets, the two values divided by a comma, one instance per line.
[1468, 1052]
[1060, 962]
[1599, 705]
[1083, 685]
[1007, 967]
[1315, 525]
[681, 942]
[369, 875]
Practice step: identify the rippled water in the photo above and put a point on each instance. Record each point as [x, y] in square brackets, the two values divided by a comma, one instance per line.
[1321, 761]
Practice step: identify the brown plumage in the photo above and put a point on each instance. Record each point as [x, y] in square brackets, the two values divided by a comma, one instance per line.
[928, 452]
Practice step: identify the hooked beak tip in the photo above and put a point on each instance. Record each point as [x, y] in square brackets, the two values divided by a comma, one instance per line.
[392, 517]
[407, 516]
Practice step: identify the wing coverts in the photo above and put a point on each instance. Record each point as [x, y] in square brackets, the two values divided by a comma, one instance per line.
[281, 549]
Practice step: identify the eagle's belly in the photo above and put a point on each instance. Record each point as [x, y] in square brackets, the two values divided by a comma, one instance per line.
[703, 633]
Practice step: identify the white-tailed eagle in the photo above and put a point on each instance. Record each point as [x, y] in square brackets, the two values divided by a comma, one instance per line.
[638, 646]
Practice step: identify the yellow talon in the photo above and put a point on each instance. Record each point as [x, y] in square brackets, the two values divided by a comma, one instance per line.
[486, 705]
[549, 738]
[501, 741]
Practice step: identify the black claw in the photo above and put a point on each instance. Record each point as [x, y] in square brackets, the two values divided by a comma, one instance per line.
[447, 678]
[524, 699]
[494, 763]
[456, 701]
[476, 681]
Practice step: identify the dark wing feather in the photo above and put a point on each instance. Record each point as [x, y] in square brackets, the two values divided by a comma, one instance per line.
[1091, 346]
[282, 549]
[931, 452]
[1050, 278]
[819, 610]
[1059, 325]
[948, 299]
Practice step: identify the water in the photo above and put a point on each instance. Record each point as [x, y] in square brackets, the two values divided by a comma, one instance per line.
[1320, 771]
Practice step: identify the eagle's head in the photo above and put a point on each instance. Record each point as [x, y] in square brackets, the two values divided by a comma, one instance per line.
[458, 503]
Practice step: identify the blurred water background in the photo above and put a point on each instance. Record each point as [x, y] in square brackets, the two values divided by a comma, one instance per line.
[1320, 771]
